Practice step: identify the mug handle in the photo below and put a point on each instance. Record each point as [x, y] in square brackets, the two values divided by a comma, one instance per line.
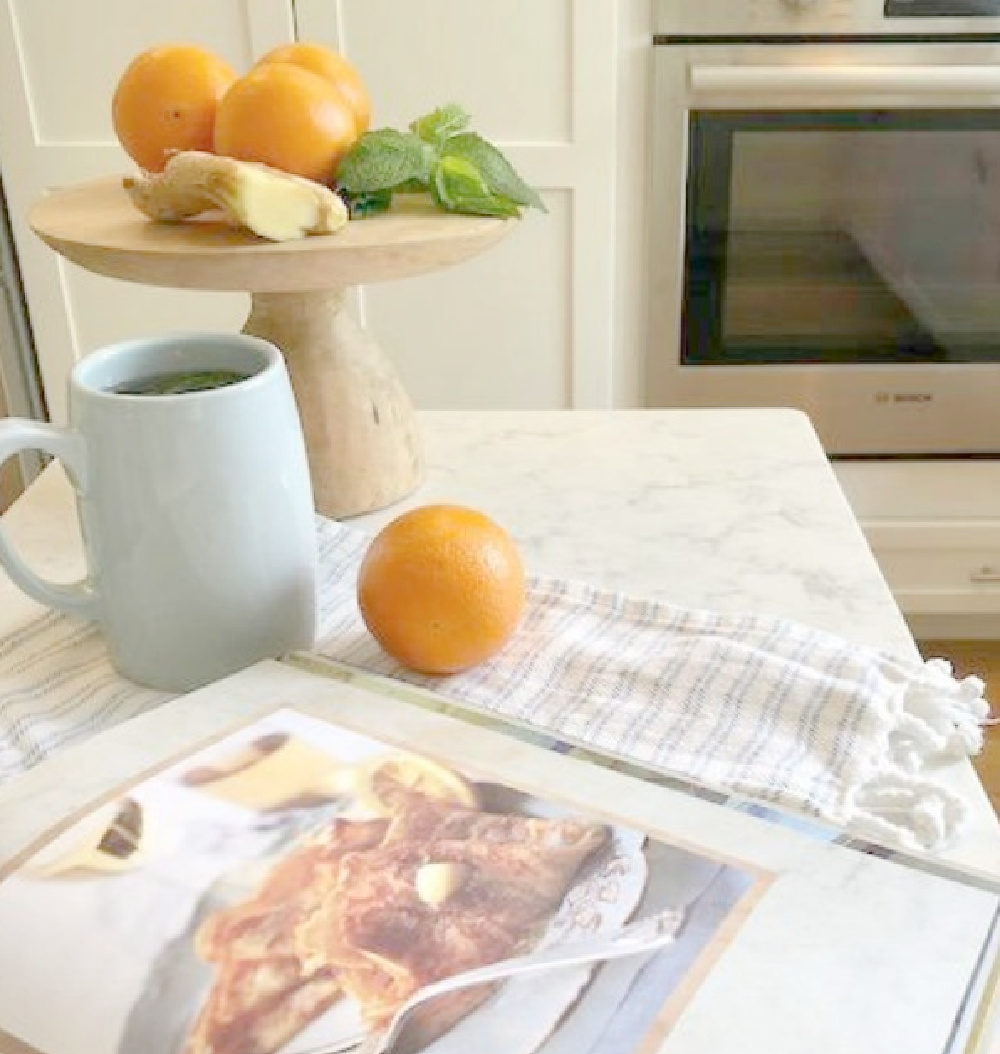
[17, 434]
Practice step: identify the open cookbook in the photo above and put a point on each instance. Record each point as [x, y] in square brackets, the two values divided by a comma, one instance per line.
[277, 863]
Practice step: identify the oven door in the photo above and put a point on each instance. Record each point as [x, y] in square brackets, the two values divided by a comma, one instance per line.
[827, 236]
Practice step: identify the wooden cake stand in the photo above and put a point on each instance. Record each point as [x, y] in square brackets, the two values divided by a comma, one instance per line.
[361, 434]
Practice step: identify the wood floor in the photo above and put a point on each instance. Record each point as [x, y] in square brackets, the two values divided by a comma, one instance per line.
[980, 657]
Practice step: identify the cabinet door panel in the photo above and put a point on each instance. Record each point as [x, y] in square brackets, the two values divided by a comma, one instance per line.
[59, 63]
[488, 333]
[72, 73]
[144, 311]
[538, 79]
[508, 64]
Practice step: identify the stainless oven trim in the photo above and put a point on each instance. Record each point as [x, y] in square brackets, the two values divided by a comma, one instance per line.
[827, 18]
[842, 82]
[865, 411]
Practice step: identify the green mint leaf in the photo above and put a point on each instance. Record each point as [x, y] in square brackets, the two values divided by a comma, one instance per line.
[436, 127]
[496, 170]
[457, 185]
[415, 186]
[384, 159]
[430, 157]
[367, 203]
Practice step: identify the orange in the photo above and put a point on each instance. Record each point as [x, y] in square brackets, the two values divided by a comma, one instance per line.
[288, 118]
[441, 588]
[166, 100]
[331, 66]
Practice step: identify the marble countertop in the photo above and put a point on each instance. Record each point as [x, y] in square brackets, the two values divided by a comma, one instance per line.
[735, 510]
[728, 509]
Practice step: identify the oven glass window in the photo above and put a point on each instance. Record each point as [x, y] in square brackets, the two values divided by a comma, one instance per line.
[843, 237]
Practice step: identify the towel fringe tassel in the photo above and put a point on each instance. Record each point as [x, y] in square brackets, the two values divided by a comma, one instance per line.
[937, 718]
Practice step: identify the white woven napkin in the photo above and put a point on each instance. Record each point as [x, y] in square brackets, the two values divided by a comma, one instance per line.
[747, 703]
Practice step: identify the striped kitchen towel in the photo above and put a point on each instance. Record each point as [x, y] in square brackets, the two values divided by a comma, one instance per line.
[746, 703]
[57, 688]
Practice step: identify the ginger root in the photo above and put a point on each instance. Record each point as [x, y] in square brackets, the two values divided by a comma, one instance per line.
[270, 203]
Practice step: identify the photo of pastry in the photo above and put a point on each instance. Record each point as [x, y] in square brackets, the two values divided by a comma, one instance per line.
[289, 889]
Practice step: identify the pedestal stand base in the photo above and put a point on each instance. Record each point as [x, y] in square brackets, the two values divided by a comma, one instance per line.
[361, 434]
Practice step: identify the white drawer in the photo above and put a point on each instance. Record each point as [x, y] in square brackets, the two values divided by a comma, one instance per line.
[922, 491]
[938, 567]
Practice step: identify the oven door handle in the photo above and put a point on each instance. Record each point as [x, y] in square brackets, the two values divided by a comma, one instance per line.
[930, 85]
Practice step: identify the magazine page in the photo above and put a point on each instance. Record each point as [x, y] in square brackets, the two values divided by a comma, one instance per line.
[280, 861]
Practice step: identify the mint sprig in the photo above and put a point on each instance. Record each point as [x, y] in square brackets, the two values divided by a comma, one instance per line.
[462, 171]
[497, 172]
[460, 187]
[385, 159]
[436, 127]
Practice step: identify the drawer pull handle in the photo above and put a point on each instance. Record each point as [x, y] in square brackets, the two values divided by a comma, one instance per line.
[986, 574]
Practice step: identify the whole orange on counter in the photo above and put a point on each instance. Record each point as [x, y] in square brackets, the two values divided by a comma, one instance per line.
[286, 117]
[166, 100]
[332, 67]
[442, 588]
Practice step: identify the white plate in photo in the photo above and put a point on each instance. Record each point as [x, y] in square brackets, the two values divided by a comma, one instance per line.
[519, 1016]
[601, 900]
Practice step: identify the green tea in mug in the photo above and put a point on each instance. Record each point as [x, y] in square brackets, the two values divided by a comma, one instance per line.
[178, 382]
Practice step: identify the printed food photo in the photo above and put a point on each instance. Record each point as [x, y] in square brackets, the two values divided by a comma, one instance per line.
[291, 887]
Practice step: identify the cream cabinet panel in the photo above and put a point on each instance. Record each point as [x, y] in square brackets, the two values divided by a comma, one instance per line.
[59, 63]
[488, 332]
[72, 71]
[530, 324]
[508, 64]
[143, 311]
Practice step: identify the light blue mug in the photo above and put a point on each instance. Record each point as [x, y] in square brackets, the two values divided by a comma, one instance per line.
[195, 506]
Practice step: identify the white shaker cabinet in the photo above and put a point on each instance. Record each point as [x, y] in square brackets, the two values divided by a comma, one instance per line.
[59, 62]
[530, 323]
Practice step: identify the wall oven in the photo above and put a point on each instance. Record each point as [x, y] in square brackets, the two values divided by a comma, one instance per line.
[826, 217]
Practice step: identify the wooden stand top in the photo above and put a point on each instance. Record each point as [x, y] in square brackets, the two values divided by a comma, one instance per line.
[96, 225]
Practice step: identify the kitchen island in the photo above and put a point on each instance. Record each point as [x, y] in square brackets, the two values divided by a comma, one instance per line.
[733, 510]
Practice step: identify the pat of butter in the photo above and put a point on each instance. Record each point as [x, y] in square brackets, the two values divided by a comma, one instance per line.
[439, 881]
